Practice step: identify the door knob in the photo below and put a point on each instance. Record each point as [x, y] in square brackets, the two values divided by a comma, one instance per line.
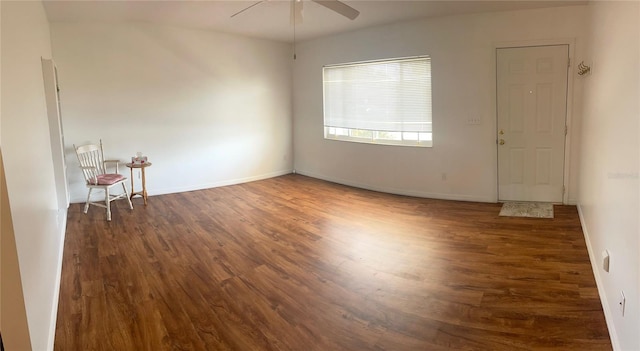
[501, 132]
[501, 142]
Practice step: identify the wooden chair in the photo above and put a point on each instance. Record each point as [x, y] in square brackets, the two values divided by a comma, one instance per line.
[94, 169]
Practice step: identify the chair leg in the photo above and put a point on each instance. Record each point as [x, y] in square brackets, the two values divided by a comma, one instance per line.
[108, 200]
[128, 197]
[86, 206]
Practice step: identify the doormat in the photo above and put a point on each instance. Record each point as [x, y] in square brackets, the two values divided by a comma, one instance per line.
[527, 209]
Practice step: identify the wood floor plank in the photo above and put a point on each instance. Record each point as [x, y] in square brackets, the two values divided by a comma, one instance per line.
[295, 263]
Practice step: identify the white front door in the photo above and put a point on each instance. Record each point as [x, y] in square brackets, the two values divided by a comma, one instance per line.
[532, 108]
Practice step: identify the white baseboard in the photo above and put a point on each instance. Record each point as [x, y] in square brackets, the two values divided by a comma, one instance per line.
[182, 189]
[572, 202]
[615, 343]
[219, 183]
[62, 228]
[395, 191]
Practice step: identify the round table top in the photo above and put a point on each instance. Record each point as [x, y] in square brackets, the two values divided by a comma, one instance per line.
[138, 165]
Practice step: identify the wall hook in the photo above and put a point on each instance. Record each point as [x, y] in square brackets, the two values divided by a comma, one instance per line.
[583, 69]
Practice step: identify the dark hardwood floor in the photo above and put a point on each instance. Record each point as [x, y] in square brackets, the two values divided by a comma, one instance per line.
[294, 263]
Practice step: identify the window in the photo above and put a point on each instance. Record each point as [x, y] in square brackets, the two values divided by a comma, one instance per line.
[379, 102]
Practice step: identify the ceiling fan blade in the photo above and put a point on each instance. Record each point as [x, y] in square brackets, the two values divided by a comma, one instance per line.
[248, 7]
[296, 11]
[339, 7]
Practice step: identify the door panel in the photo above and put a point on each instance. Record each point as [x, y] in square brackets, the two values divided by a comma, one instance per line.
[532, 105]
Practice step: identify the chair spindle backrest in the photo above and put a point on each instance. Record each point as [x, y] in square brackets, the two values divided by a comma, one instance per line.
[91, 158]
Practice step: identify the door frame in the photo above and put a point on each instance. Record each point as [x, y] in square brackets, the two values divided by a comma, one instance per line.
[569, 113]
[56, 131]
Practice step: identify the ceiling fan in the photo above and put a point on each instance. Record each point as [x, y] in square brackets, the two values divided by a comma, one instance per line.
[296, 9]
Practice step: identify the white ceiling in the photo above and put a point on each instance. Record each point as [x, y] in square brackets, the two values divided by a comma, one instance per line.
[271, 19]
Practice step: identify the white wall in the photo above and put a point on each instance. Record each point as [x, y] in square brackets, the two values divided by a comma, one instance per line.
[13, 315]
[463, 64]
[38, 223]
[609, 197]
[208, 109]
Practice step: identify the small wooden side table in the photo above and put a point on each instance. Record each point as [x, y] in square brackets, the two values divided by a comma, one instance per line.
[142, 193]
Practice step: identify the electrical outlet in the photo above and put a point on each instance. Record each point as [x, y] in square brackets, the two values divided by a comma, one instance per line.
[622, 302]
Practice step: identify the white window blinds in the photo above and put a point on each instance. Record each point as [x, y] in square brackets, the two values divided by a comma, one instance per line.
[386, 96]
